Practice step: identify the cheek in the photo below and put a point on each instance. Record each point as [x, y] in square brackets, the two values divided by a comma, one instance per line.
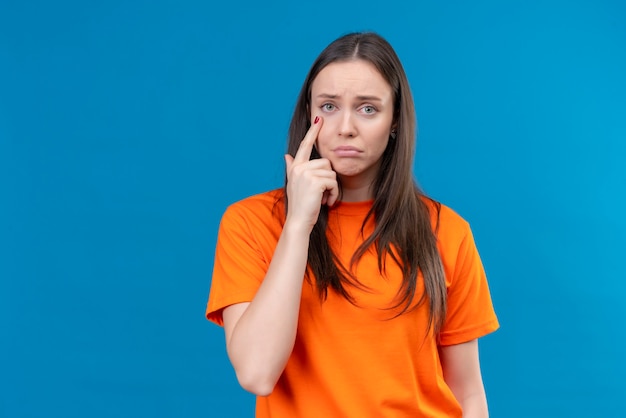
[380, 136]
[322, 141]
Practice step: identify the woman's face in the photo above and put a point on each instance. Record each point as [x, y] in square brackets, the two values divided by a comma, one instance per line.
[356, 103]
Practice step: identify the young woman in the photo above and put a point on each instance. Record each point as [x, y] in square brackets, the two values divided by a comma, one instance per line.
[348, 293]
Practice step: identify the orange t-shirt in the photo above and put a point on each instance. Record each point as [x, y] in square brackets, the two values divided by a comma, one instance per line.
[354, 361]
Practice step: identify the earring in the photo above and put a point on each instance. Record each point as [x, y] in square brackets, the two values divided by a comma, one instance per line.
[393, 134]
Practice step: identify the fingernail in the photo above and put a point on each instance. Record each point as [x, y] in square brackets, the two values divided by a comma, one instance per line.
[317, 119]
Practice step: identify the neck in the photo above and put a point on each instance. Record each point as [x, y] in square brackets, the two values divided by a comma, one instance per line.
[359, 187]
[353, 190]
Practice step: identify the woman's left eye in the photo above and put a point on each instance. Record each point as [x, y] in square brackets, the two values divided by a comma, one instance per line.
[369, 110]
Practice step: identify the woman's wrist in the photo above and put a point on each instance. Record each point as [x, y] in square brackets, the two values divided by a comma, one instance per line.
[295, 227]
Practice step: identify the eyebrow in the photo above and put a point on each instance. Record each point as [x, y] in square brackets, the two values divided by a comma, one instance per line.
[334, 96]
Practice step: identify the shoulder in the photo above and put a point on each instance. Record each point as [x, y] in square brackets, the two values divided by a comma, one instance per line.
[261, 207]
[450, 227]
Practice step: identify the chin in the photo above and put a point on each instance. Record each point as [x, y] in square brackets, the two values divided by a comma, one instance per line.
[346, 171]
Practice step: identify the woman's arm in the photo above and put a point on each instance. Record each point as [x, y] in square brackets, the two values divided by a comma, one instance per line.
[260, 335]
[461, 371]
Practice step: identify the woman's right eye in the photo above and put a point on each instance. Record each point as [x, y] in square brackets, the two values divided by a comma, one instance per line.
[328, 107]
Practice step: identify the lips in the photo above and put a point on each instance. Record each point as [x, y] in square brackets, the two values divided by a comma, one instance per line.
[347, 151]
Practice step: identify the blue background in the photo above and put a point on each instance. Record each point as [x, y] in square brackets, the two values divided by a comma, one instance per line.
[126, 128]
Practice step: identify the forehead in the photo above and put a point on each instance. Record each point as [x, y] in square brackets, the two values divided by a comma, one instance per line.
[350, 77]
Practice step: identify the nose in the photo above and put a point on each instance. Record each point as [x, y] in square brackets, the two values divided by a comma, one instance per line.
[347, 128]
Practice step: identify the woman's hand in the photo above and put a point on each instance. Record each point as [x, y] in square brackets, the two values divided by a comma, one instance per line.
[310, 183]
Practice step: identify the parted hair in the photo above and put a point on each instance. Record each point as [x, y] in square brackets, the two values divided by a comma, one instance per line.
[403, 229]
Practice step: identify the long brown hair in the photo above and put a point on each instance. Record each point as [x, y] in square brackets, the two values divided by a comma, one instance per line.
[403, 229]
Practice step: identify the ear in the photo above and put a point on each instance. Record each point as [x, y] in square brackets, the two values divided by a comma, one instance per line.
[394, 130]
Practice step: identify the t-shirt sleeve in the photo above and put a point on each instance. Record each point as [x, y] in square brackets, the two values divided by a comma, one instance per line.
[470, 313]
[239, 266]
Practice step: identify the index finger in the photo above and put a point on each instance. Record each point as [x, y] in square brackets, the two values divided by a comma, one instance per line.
[306, 146]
